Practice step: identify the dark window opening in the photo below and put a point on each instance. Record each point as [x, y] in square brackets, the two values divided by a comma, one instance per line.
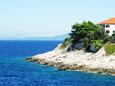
[107, 31]
[107, 26]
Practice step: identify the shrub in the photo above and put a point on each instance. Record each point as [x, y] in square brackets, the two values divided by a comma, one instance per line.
[97, 44]
[110, 48]
[113, 38]
[66, 43]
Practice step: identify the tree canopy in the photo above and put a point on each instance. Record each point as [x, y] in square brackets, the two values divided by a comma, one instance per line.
[87, 33]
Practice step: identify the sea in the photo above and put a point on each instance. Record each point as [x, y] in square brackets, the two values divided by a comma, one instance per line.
[16, 71]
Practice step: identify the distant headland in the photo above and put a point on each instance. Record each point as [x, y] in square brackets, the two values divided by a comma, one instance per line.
[53, 38]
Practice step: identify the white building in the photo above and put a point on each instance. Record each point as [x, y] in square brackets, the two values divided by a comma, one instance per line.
[109, 26]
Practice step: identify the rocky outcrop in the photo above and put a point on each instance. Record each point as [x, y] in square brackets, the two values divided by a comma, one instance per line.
[77, 60]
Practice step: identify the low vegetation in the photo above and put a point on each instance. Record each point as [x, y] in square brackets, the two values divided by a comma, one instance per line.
[109, 48]
[112, 38]
[66, 42]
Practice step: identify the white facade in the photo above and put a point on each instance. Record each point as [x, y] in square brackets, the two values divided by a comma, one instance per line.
[109, 28]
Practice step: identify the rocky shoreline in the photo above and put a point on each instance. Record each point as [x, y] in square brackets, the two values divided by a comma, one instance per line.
[75, 67]
[77, 60]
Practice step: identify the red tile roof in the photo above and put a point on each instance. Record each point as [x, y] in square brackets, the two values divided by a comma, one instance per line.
[108, 21]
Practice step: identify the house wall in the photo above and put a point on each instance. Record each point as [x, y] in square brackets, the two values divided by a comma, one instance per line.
[111, 28]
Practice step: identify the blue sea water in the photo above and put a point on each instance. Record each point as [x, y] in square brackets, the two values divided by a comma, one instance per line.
[15, 71]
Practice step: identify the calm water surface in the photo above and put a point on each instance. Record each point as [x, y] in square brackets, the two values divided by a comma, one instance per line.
[15, 71]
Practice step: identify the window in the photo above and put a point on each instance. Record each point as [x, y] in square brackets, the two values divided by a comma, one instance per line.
[107, 25]
[107, 31]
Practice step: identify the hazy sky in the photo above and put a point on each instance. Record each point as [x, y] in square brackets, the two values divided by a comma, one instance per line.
[21, 18]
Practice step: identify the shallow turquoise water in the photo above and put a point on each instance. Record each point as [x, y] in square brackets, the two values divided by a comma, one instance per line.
[15, 71]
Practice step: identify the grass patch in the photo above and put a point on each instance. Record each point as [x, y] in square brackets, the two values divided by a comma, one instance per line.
[110, 48]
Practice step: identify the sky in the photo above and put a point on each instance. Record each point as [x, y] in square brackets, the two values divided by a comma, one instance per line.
[36, 18]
